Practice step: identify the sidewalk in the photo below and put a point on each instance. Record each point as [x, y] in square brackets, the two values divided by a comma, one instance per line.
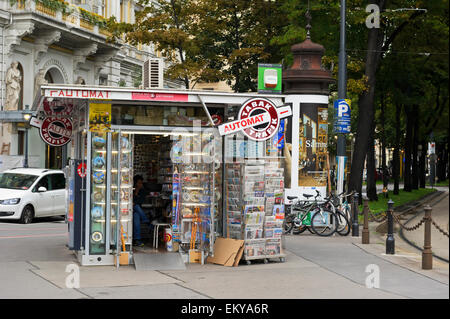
[316, 267]
[399, 275]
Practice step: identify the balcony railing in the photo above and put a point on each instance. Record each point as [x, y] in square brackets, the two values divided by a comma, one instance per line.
[45, 10]
[65, 12]
[73, 16]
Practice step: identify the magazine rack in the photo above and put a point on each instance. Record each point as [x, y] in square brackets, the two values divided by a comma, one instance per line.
[255, 208]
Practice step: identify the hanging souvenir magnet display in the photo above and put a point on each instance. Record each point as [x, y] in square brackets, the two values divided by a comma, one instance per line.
[98, 177]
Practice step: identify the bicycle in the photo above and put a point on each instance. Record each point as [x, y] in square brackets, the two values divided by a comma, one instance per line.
[324, 220]
[342, 207]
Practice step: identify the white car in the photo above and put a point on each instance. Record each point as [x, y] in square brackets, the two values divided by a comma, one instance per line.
[26, 193]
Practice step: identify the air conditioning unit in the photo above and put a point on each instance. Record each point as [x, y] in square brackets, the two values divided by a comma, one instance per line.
[152, 74]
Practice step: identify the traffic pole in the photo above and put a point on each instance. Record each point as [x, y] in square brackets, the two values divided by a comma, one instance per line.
[342, 92]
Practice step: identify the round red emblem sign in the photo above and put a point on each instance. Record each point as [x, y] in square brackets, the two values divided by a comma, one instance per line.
[264, 108]
[217, 119]
[81, 170]
[56, 131]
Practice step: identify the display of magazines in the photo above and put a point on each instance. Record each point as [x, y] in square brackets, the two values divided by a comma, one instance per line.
[233, 200]
[255, 207]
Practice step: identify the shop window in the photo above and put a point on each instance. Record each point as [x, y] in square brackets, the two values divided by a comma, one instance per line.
[162, 115]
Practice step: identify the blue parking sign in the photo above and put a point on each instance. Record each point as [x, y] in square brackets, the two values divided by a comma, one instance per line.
[342, 116]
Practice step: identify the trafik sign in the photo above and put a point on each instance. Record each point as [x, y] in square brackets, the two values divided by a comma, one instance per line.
[258, 118]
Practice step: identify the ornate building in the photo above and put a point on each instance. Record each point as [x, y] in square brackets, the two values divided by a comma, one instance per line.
[56, 41]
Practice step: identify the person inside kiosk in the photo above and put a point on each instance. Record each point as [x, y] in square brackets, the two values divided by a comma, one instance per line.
[139, 216]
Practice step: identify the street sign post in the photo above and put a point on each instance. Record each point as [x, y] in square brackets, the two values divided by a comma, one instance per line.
[342, 112]
[342, 125]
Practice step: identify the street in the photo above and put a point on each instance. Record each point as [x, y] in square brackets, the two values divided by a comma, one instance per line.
[34, 261]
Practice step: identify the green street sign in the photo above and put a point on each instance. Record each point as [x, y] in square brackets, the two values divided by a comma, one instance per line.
[269, 78]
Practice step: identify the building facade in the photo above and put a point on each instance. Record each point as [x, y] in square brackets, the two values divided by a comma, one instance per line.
[62, 42]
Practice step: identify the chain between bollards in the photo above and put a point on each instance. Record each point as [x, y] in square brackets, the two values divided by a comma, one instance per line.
[355, 224]
[390, 240]
[427, 254]
[365, 232]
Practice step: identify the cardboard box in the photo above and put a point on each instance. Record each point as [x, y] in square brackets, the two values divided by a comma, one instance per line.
[227, 252]
[124, 259]
[195, 257]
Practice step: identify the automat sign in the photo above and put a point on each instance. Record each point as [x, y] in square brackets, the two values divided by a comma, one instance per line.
[258, 118]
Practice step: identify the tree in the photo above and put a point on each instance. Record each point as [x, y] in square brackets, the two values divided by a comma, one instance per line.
[172, 25]
[242, 31]
[379, 41]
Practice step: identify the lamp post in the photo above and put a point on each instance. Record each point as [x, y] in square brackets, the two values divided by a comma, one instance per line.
[26, 117]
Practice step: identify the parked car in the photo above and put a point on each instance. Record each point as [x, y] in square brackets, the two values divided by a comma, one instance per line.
[27, 193]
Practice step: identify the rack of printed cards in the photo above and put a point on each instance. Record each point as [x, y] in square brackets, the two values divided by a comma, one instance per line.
[255, 209]
[193, 204]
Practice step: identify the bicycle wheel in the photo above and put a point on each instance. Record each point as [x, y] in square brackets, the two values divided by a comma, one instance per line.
[299, 230]
[324, 223]
[288, 224]
[343, 227]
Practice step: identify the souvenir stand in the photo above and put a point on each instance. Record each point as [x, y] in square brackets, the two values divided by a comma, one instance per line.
[107, 122]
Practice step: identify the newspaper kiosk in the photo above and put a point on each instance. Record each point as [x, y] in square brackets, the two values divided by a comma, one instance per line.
[171, 138]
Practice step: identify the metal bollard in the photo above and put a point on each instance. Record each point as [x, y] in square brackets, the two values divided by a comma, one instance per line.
[427, 254]
[390, 241]
[365, 232]
[355, 224]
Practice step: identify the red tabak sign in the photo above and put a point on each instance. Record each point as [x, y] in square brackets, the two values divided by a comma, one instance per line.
[56, 131]
[148, 96]
[258, 119]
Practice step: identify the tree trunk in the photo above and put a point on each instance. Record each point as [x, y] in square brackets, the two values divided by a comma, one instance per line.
[366, 114]
[396, 155]
[371, 180]
[408, 149]
[441, 162]
[422, 159]
[415, 143]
